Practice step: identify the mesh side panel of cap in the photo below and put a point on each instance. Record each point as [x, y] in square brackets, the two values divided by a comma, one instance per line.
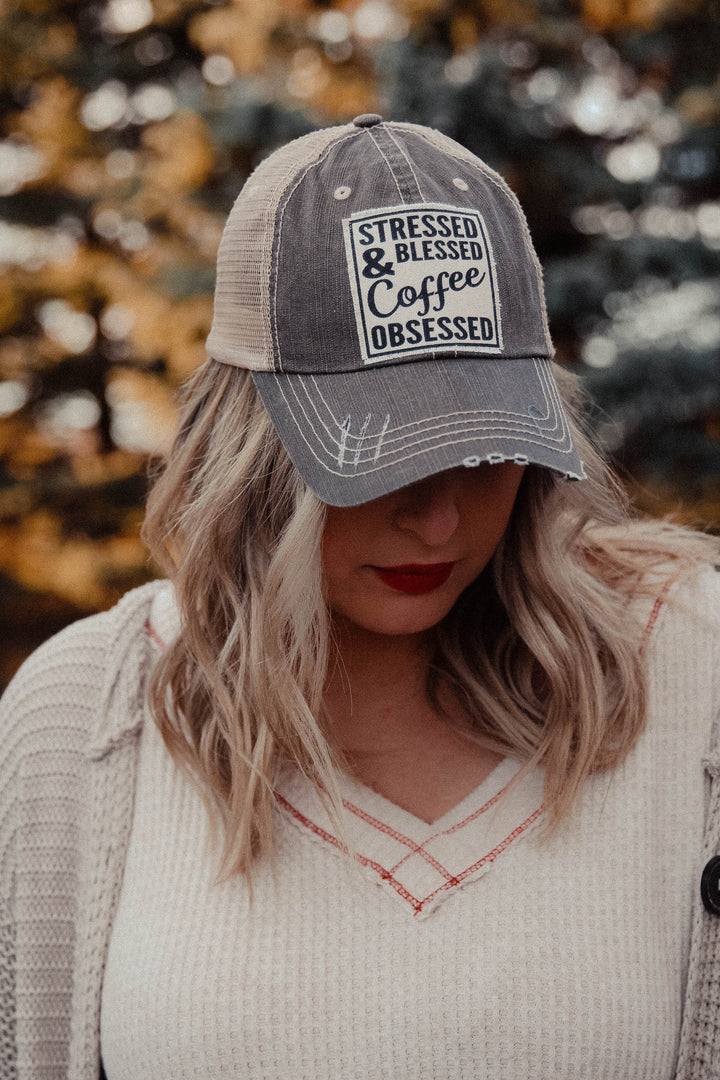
[453, 149]
[241, 331]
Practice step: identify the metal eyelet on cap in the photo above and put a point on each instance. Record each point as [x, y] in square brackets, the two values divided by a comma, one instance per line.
[368, 119]
[460, 184]
[710, 886]
[341, 193]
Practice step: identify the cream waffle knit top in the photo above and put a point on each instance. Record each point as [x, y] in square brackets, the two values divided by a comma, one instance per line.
[472, 947]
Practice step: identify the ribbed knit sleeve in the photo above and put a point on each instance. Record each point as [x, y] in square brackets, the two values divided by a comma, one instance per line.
[45, 716]
[49, 718]
[7, 1010]
[699, 1057]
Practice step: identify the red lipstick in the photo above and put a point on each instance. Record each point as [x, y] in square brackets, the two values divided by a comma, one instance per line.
[415, 578]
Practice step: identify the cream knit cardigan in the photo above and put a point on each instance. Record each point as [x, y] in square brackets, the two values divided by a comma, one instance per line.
[69, 728]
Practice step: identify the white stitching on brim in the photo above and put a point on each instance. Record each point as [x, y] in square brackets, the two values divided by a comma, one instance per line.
[377, 464]
[438, 427]
[475, 425]
[553, 409]
[503, 423]
[510, 423]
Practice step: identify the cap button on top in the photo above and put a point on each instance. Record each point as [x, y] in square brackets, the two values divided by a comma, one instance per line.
[367, 119]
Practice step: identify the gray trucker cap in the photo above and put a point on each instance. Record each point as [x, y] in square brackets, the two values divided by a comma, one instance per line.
[380, 282]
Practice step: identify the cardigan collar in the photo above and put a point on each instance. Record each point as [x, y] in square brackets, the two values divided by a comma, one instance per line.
[132, 654]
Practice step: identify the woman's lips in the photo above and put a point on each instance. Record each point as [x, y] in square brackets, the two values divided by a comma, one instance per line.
[415, 578]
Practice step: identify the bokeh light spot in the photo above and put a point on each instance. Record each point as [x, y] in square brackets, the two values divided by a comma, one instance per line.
[599, 351]
[120, 164]
[133, 421]
[153, 101]
[108, 223]
[594, 109]
[153, 49]
[544, 85]
[133, 236]
[634, 161]
[376, 20]
[19, 164]
[127, 16]
[306, 74]
[104, 106]
[74, 330]
[33, 248]
[66, 414]
[460, 69]
[521, 55]
[707, 216]
[116, 321]
[13, 395]
[333, 27]
[218, 70]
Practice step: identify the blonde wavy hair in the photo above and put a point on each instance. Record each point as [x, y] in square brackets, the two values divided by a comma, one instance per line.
[540, 650]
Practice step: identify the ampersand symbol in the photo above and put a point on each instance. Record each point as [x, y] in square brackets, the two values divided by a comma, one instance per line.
[373, 267]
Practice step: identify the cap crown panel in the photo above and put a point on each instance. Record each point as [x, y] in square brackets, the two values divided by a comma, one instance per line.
[535, 295]
[241, 331]
[283, 296]
[313, 312]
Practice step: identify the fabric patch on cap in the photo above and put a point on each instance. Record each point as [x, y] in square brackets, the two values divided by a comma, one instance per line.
[423, 281]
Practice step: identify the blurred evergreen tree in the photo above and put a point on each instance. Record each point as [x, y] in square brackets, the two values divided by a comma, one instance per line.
[607, 129]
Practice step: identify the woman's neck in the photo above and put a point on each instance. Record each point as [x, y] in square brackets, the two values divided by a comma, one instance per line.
[377, 685]
[392, 737]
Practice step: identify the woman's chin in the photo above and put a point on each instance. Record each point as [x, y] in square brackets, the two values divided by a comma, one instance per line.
[405, 617]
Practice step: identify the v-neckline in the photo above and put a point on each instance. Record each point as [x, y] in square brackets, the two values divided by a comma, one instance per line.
[418, 865]
[414, 862]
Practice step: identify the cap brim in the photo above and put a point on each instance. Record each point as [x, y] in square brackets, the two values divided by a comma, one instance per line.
[354, 436]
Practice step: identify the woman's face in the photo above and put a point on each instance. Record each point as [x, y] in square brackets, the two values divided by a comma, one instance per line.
[397, 565]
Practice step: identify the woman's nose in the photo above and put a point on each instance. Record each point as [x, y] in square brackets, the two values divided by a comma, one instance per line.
[430, 509]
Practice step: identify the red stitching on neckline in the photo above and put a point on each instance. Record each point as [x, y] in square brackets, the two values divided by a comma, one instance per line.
[420, 849]
[387, 875]
[454, 828]
[657, 606]
[491, 856]
[152, 633]
[415, 849]
[380, 870]
[475, 814]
